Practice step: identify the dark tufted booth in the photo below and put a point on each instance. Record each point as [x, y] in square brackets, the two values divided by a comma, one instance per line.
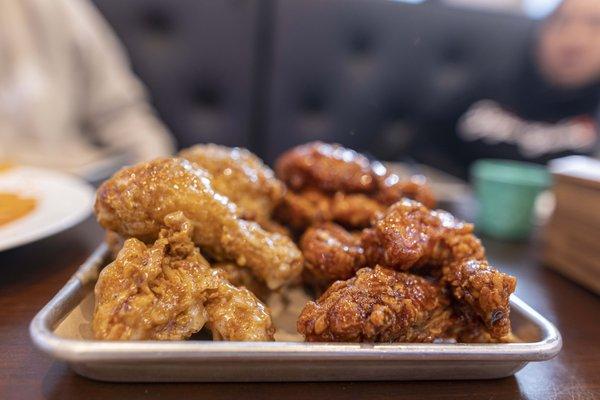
[197, 57]
[273, 73]
[368, 73]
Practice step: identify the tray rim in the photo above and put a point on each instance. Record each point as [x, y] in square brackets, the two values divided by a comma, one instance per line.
[77, 351]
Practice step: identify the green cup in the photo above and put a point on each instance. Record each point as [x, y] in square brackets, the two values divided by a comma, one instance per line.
[506, 191]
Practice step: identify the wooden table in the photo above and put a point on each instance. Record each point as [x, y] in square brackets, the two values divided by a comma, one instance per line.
[32, 274]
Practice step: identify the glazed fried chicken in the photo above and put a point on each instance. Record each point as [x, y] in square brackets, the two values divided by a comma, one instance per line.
[242, 177]
[326, 167]
[311, 207]
[331, 183]
[392, 188]
[242, 277]
[331, 253]
[167, 291]
[355, 210]
[410, 236]
[378, 305]
[484, 290]
[136, 200]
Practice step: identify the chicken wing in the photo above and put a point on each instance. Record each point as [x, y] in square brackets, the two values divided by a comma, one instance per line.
[391, 188]
[331, 253]
[136, 200]
[303, 209]
[326, 167]
[332, 183]
[167, 291]
[242, 177]
[485, 290]
[378, 305]
[411, 236]
[242, 277]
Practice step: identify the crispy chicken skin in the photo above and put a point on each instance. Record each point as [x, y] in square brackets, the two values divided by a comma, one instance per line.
[378, 305]
[485, 290]
[303, 209]
[167, 291]
[331, 183]
[242, 277]
[393, 189]
[410, 236]
[136, 200]
[326, 167]
[242, 177]
[355, 210]
[331, 252]
[331, 168]
[310, 207]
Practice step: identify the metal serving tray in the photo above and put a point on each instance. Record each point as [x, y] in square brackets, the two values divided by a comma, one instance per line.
[60, 330]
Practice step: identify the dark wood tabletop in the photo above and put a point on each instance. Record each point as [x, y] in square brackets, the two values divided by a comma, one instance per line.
[32, 274]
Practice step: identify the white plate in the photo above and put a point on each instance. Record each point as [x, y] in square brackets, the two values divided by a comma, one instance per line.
[62, 201]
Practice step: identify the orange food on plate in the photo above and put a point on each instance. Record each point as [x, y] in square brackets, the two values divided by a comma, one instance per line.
[5, 166]
[14, 206]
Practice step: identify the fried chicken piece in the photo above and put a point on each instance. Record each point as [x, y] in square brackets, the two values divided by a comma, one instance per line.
[331, 168]
[242, 177]
[411, 236]
[242, 277]
[331, 253]
[167, 291]
[301, 210]
[332, 183]
[135, 201]
[355, 211]
[310, 207]
[234, 313]
[485, 290]
[378, 305]
[326, 167]
[391, 188]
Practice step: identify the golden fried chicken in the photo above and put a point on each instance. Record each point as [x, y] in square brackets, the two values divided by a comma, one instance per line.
[242, 277]
[303, 209]
[326, 167]
[332, 183]
[355, 210]
[242, 177]
[410, 235]
[167, 291]
[136, 200]
[331, 253]
[310, 207]
[391, 188]
[484, 290]
[378, 305]
[331, 168]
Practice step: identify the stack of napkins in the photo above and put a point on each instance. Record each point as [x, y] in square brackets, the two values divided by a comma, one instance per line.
[572, 240]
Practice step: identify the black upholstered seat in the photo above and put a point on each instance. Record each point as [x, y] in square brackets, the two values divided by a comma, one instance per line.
[366, 73]
[269, 74]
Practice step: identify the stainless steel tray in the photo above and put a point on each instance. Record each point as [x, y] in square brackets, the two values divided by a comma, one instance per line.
[56, 331]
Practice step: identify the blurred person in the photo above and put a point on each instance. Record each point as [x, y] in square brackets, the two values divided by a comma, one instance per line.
[68, 99]
[548, 109]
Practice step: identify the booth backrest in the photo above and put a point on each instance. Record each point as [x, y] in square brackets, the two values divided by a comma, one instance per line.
[269, 74]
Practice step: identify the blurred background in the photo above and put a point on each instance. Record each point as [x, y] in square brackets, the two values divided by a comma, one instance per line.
[432, 86]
